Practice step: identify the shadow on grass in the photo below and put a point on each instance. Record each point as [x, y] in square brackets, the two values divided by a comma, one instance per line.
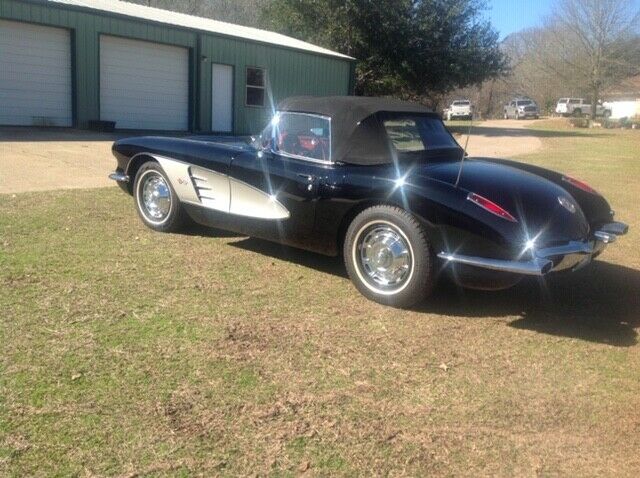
[326, 264]
[206, 231]
[495, 132]
[599, 304]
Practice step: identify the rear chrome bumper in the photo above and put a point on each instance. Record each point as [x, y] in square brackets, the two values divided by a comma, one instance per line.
[573, 255]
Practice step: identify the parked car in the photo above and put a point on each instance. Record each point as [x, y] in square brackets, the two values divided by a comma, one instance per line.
[381, 182]
[459, 109]
[580, 107]
[521, 108]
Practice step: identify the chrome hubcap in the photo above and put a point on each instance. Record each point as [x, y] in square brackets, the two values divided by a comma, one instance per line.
[155, 197]
[385, 257]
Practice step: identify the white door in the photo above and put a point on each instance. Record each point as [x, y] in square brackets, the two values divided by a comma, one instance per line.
[144, 85]
[35, 75]
[221, 98]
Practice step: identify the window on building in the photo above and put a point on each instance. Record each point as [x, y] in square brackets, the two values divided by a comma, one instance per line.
[256, 86]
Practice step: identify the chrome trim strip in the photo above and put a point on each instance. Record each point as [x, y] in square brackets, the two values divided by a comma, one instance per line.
[119, 177]
[534, 267]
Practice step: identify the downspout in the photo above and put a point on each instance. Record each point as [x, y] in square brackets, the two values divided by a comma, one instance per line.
[197, 84]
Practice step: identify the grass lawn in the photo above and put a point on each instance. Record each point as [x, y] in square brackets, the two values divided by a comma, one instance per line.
[130, 353]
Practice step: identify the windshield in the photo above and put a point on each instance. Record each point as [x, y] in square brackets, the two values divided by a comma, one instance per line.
[563, 100]
[416, 133]
[300, 135]
[461, 103]
[525, 103]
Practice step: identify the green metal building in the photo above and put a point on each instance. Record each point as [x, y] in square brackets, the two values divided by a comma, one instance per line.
[74, 62]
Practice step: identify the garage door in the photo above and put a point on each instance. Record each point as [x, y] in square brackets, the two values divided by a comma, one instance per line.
[35, 75]
[144, 85]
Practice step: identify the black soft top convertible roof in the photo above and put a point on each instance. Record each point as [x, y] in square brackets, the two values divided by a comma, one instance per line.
[356, 136]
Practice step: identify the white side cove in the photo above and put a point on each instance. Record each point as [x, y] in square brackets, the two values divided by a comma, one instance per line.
[251, 202]
[219, 192]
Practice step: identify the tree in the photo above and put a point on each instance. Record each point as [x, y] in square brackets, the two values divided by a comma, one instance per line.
[592, 42]
[416, 49]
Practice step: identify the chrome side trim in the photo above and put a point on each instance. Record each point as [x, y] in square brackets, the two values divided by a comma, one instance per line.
[119, 177]
[534, 267]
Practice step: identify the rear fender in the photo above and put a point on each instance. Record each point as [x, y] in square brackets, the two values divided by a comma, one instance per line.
[595, 207]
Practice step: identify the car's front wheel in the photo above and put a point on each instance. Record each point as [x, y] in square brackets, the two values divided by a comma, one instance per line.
[156, 201]
[388, 256]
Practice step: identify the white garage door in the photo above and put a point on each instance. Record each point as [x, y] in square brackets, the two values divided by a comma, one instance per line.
[144, 85]
[35, 75]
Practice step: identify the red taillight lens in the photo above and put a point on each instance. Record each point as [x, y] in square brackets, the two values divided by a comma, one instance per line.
[580, 185]
[490, 206]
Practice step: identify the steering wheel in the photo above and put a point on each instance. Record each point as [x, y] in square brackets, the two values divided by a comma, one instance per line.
[319, 144]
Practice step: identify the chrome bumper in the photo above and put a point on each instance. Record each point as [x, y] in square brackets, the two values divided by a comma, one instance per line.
[572, 255]
[119, 177]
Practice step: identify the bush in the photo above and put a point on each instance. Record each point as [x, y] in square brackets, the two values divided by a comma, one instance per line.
[579, 122]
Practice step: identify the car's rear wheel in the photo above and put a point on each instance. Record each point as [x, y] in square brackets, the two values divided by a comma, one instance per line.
[388, 256]
[156, 201]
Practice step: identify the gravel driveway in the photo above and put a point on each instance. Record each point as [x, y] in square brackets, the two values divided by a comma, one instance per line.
[42, 160]
[501, 138]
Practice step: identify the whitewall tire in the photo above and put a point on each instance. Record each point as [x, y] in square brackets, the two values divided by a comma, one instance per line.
[388, 256]
[156, 200]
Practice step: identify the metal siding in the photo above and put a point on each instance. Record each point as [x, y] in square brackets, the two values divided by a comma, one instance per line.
[290, 72]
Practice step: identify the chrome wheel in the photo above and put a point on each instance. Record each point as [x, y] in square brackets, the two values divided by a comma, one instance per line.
[154, 197]
[384, 256]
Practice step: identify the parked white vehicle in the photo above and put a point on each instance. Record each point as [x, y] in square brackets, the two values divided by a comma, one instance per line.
[459, 109]
[579, 107]
[521, 108]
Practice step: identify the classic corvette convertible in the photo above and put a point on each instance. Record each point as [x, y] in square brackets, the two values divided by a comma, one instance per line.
[383, 183]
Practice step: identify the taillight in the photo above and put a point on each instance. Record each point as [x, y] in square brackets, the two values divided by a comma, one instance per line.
[580, 185]
[490, 206]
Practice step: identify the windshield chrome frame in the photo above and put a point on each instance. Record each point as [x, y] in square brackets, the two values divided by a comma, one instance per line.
[306, 158]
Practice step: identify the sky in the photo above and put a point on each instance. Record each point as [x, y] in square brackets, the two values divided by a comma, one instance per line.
[508, 16]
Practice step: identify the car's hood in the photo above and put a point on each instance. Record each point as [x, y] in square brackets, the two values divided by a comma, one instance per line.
[534, 201]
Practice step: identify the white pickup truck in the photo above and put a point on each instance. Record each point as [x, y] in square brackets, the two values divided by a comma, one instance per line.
[459, 109]
[579, 107]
